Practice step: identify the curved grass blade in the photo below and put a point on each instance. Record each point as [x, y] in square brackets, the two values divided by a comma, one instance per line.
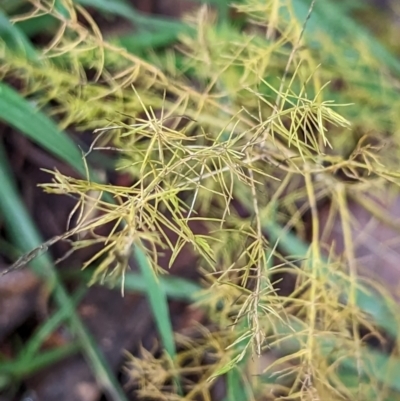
[18, 370]
[237, 389]
[15, 39]
[34, 26]
[159, 304]
[330, 18]
[143, 22]
[17, 221]
[49, 326]
[176, 288]
[19, 113]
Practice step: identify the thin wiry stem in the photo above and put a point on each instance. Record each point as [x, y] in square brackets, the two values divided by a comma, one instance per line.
[258, 335]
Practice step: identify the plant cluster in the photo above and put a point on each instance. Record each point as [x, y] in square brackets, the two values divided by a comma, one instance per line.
[246, 130]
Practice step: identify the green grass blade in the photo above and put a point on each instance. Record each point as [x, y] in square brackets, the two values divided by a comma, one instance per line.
[142, 21]
[117, 7]
[34, 26]
[15, 39]
[236, 388]
[157, 289]
[151, 31]
[50, 325]
[174, 287]
[328, 17]
[17, 221]
[17, 370]
[137, 43]
[12, 6]
[158, 301]
[22, 115]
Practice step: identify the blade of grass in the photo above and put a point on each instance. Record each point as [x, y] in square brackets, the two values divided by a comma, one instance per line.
[17, 222]
[137, 43]
[12, 6]
[330, 18]
[173, 287]
[150, 31]
[50, 325]
[34, 26]
[19, 113]
[159, 305]
[141, 21]
[15, 39]
[18, 370]
[24, 234]
[237, 389]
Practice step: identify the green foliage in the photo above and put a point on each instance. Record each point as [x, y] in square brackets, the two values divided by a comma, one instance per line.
[242, 131]
[18, 112]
